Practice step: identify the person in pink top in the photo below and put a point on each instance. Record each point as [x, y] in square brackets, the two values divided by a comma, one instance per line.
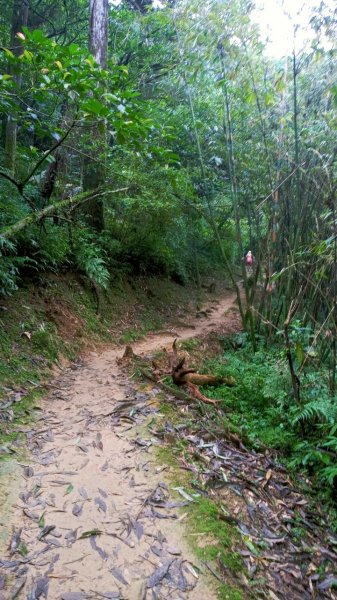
[249, 263]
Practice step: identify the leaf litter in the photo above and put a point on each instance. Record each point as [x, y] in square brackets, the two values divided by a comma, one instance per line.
[251, 489]
[254, 493]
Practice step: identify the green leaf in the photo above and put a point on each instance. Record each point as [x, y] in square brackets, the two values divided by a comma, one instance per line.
[250, 546]
[22, 548]
[8, 52]
[94, 106]
[28, 55]
[90, 61]
[299, 353]
[92, 532]
[37, 36]
[269, 99]
[73, 49]
[69, 489]
[41, 521]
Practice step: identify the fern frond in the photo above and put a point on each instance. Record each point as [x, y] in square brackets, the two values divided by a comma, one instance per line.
[322, 410]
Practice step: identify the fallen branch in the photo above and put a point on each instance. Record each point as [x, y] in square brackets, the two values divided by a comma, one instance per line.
[48, 211]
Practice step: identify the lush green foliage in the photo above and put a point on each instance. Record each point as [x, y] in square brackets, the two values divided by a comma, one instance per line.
[58, 95]
[199, 146]
[262, 408]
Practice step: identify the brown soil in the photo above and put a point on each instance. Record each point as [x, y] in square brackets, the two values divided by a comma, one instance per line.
[91, 470]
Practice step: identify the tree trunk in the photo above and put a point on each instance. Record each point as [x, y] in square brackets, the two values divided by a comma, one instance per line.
[19, 20]
[98, 32]
[94, 165]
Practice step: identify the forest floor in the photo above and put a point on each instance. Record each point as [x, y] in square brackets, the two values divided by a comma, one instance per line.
[106, 507]
[84, 525]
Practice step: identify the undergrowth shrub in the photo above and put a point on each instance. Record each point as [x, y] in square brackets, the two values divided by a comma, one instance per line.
[262, 406]
[12, 209]
[50, 247]
[260, 395]
[90, 257]
[10, 266]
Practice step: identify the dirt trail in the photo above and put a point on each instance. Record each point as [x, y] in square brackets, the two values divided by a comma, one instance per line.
[90, 469]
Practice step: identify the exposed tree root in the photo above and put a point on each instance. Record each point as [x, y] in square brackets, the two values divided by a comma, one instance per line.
[197, 393]
[186, 377]
[174, 391]
[127, 357]
[190, 379]
[182, 375]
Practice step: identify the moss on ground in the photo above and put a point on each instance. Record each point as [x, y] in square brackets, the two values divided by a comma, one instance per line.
[190, 344]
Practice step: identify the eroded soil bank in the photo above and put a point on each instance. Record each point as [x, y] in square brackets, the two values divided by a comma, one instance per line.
[95, 517]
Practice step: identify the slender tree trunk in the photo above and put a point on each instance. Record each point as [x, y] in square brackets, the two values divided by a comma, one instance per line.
[295, 381]
[93, 170]
[19, 20]
[296, 134]
[197, 274]
[196, 267]
[211, 218]
[334, 318]
[54, 175]
[227, 126]
[276, 206]
[261, 117]
[98, 32]
[299, 207]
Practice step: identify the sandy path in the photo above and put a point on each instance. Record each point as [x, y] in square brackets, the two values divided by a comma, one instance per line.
[91, 469]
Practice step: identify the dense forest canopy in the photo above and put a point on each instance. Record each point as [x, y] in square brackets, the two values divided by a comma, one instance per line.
[167, 141]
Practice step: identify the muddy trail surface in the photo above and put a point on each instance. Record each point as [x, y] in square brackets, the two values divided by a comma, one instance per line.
[94, 517]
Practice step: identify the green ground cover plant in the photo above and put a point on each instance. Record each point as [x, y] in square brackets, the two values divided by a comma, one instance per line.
[262, 408]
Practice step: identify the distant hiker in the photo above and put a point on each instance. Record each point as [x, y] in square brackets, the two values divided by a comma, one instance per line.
[249, 259]
[249, 263]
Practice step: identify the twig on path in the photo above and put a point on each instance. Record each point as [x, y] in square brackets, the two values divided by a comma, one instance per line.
[145, 503]
[77, 559]
[210, 568]
[102, 595]
[55, 473]
[119, 537]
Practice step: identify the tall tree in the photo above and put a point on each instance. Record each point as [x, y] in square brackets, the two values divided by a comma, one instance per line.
[94, 170]
[19, 20]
